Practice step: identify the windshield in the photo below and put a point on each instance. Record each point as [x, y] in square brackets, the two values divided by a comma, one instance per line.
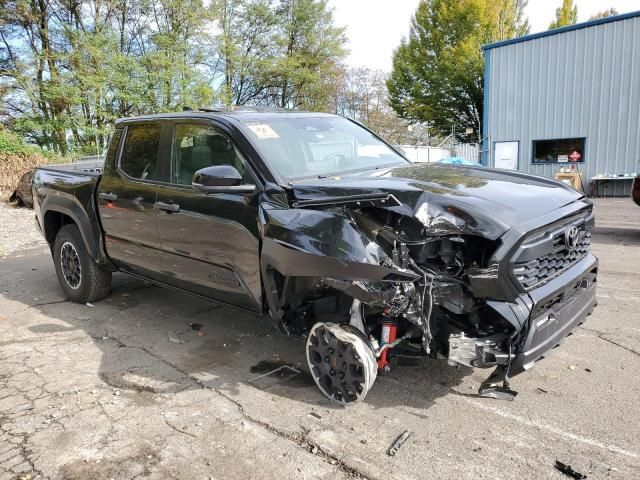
[303, 147]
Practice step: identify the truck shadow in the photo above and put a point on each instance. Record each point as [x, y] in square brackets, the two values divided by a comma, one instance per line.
[155, 340]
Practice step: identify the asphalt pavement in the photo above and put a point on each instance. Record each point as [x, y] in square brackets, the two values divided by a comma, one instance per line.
[151, 383]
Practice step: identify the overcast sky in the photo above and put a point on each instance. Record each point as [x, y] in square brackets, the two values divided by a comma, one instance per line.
[375, 27]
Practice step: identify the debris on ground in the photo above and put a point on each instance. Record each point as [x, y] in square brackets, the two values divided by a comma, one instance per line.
[314, 414]
[174, 339]
[196, 327]
[398, 443]
[587, 370]
[90, 304]
[572, 367]
[542, 390]
[568, 471]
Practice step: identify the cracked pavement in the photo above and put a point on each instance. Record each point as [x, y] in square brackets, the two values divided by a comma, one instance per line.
[128, 389]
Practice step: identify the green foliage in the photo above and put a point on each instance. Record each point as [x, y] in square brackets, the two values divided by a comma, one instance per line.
[437, 72]
[12, 144]
[567, 14]
[68, 69]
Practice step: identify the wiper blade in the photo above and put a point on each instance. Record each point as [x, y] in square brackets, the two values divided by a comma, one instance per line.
[383, 199]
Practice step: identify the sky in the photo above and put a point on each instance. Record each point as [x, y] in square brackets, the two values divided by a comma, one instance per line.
[375, 27]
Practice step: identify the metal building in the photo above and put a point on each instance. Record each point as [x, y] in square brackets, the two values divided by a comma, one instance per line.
[567, 99]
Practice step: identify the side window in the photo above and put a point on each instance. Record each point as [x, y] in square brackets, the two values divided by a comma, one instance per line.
[113, 149]
[139, 157]
[200, 146]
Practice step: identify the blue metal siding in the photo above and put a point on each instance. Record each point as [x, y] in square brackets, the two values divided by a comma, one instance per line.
[485, 140]
[581, 83]
[556, 31]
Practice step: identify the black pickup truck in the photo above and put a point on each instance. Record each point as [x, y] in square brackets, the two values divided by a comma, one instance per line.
[318, 222]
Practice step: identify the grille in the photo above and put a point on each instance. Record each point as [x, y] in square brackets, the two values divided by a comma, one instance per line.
[534, 272]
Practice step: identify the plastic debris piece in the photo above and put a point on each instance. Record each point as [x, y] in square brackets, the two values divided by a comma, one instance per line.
[90, 304]
[173, 339]
[398, 443]
[568, 471]
[572, 367]
[196, 326]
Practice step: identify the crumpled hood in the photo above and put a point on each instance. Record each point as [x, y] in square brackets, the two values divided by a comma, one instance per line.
[483, 201]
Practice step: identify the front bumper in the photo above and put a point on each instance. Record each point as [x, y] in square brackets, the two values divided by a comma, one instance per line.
[547, 315]
[559, 307]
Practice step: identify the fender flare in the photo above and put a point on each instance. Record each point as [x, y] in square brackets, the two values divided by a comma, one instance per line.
[70, 206]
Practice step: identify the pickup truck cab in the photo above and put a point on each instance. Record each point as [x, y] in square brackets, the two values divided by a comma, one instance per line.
[318, 222]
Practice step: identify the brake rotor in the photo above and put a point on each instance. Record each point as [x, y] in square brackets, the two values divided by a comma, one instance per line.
[341, 362]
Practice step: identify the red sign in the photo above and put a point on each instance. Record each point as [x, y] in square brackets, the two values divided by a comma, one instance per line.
[575, 156]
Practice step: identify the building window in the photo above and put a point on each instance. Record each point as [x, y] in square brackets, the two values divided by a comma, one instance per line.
[564, 150]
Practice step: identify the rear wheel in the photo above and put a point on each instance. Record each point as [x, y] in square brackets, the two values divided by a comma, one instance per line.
[81, 279]
[341, 362]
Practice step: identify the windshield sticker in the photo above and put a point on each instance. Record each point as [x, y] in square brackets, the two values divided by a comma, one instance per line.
[263, 131]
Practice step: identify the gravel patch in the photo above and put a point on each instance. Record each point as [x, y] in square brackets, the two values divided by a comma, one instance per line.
[18, 230]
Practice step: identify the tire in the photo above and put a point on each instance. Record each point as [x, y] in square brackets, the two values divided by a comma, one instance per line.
[81, 279]
[15, 200]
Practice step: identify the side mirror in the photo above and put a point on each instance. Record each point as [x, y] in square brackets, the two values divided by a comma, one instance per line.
[220, 179]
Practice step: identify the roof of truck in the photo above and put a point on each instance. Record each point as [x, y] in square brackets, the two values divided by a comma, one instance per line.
[241, 115]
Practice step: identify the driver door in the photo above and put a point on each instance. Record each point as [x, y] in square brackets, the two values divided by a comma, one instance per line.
[209, 241]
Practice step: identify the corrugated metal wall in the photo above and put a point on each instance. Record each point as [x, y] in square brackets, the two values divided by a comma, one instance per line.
[580, 83]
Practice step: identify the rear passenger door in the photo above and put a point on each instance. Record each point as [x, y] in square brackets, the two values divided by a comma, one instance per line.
[126, 198]
[210, 241]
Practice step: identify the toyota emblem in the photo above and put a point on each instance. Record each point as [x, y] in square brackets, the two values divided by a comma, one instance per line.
[571, 237]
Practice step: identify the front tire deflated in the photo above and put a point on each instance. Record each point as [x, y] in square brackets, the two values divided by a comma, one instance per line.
[341, 362]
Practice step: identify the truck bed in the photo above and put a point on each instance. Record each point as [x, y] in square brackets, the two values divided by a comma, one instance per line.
[91, 167]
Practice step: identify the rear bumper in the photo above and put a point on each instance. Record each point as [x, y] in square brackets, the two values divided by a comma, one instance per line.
[559, 307]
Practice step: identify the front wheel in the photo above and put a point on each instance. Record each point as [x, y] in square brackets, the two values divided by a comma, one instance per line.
[341, 362]
[81, 279]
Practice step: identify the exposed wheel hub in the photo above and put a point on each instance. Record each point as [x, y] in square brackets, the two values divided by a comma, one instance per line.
[341, 362]
[70, 263]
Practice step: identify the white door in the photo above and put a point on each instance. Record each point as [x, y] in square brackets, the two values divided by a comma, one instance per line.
[506, 155]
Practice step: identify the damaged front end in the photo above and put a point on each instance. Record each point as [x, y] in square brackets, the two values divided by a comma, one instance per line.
[371, 279]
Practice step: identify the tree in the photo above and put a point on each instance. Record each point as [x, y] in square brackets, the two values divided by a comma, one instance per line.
[68, 68]
[361, 94]
[245, 44]
[611, 12]
[437, 74]
[310, 47]
[567, 14]
[72, 67]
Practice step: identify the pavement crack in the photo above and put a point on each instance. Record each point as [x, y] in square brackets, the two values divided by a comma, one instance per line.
[179, 430]
[55, 302]
[300, 439]
[602, 336]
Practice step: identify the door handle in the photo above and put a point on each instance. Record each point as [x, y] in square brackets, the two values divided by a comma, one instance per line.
[167, 207]
[109, 197]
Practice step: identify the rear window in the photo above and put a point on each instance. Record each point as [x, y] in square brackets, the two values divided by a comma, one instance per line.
[139, 157]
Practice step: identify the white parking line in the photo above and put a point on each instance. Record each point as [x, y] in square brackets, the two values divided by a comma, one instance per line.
[552, 429]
